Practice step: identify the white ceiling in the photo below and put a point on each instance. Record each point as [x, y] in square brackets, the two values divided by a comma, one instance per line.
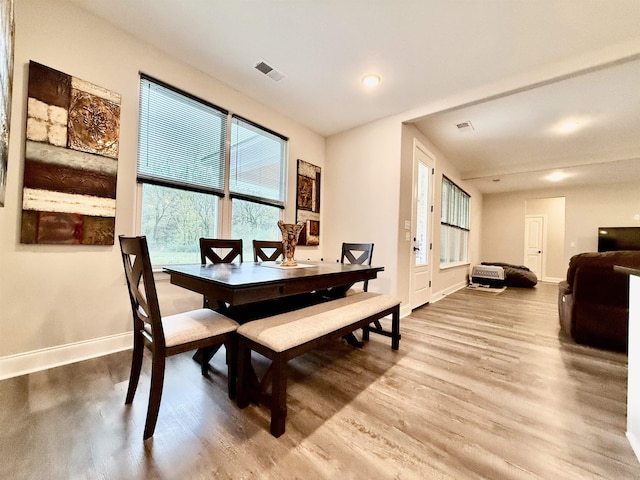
[424, 50]
[516, 142]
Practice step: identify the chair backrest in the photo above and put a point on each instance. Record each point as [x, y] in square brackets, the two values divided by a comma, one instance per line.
[262, 247]
[142, 288]
[227, 250]
[360, 253]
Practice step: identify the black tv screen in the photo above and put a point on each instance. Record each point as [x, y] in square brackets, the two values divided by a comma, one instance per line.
[618, 238]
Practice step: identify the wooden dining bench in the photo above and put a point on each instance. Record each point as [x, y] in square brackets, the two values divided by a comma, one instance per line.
[288, 335]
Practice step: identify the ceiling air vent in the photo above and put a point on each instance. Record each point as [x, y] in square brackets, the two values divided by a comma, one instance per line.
[464, 126]
[269, 71]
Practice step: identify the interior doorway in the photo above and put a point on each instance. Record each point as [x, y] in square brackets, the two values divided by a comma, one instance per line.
[534, 243]
[547, 235]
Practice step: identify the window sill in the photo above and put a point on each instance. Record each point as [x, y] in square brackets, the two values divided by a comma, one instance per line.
[449, 266]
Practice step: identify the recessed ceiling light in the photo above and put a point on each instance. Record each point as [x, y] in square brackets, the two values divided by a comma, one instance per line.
[569, 127]
[557, 176]
[370, 80]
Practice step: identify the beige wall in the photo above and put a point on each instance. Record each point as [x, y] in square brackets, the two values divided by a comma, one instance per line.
[57, 295]
[362, 193]
[586, 209]
[368, 185]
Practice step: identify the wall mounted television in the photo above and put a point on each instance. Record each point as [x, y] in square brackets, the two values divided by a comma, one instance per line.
[618, 238]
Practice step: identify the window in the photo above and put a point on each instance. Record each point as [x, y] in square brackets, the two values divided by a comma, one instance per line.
[188, 175]
[256, 183]
[454, 224]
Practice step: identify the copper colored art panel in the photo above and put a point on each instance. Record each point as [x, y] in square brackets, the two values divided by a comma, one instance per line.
[308, 202]
[71, 160]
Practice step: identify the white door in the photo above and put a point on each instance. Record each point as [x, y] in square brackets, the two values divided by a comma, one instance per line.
[534, 232]
[421, 222]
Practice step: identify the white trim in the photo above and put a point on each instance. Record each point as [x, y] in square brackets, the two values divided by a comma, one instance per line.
[23, 363]
[635, 443]
[405, 310]
[428, 267]
[447, 266]
[447, 291]
[552, 279]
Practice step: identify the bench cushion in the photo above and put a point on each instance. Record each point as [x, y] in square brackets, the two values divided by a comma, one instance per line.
[287, 330]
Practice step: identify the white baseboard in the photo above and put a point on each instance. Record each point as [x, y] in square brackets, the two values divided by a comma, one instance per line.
[437, 296]
[405, 310]
[23, 363]
[635, 444]
[552, 279]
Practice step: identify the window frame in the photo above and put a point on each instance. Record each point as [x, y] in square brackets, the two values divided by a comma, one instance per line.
[225, 196]
[455, 218]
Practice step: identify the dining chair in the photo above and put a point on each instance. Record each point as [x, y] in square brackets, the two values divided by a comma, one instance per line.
[166, 336]
[218, 250]
[360, 253]
[267, 250]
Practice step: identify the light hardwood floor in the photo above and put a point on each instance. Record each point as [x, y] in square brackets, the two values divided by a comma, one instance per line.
[482, 387]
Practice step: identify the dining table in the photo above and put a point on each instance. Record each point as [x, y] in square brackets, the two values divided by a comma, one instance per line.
[251, 290]
[252, 282]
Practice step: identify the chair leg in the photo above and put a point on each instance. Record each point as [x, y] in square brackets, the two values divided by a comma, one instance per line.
[231, 347]
[155, 395]
[243, 363]
[136, 366]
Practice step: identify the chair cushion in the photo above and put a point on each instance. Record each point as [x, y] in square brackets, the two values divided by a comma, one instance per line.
[195, 325]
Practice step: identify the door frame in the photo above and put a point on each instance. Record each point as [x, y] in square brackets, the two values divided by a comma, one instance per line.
[417, 145]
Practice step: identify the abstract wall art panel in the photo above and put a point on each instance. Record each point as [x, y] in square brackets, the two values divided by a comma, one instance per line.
[71, 160]
[6, 79]
[308, 203]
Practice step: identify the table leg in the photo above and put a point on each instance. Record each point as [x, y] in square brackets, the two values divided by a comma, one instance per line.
[207, 353]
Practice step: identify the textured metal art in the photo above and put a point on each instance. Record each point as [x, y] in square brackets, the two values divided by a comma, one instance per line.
[71, 154]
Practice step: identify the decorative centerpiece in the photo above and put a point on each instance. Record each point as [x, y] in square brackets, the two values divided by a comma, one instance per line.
[290, 234]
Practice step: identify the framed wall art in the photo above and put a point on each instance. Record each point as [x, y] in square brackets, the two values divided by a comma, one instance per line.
[71, 160]
[6, 80]
[308, 202]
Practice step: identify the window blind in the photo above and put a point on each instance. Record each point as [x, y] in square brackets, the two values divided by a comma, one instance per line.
[181, 140]
[257, 167]
[455, 205]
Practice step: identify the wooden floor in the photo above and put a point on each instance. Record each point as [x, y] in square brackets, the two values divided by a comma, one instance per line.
[482, 387]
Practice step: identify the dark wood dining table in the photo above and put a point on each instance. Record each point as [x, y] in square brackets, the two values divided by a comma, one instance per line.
[250, 290]
[248, 283]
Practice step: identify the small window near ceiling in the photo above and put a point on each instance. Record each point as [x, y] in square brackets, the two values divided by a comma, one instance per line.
[454, 224]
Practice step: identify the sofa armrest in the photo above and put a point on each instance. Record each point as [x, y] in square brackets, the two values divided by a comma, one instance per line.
[601, 285]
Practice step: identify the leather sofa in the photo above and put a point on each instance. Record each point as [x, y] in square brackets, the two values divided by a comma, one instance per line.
[593, 302]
